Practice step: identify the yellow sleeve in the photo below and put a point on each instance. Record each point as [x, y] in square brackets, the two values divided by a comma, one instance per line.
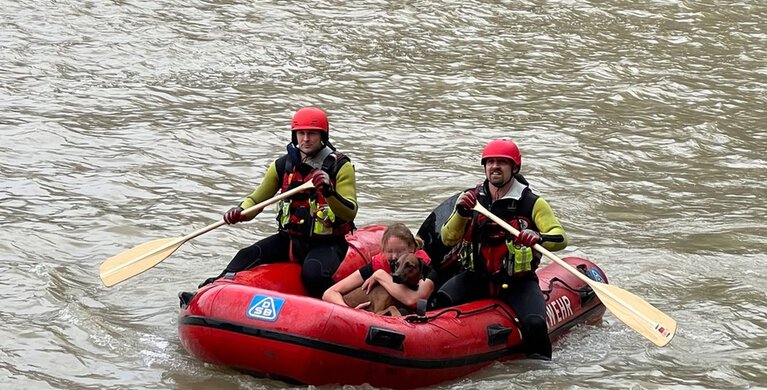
[268, 187]
[344, 201]
[553, 234]
[453, 230]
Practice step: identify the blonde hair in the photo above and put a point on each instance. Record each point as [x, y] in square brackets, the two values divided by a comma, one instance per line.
[402, 232]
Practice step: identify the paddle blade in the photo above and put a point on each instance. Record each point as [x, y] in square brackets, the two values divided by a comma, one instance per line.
[637, 313]
[137, 260]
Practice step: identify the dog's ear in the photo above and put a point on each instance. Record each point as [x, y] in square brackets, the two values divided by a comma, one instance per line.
[421, 264]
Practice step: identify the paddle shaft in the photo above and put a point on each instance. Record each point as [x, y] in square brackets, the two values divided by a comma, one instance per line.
[250, 210]
[614, 298]
[180, 241]
[481, 209]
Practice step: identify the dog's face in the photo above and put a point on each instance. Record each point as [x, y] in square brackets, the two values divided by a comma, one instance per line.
[409, 270]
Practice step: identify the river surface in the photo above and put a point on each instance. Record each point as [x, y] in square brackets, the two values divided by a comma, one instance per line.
[641, 122]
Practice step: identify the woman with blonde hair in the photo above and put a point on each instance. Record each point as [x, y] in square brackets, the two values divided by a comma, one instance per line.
[397, 241]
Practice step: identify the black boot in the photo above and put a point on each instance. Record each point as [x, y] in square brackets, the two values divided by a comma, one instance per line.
[184, 298]
[208, 281]
[535, 337]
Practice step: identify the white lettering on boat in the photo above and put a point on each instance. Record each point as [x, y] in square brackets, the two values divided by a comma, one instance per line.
[558, 310]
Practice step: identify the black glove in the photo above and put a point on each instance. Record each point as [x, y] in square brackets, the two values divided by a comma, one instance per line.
[322, 183]
[466, 202]
[528, 238]
[234, 215]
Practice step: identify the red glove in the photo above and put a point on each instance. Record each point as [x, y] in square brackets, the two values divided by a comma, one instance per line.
[234, 215]
[322, 183]
[466, 202]
[528, 238]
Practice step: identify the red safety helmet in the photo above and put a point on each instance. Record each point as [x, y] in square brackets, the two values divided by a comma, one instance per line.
[310, 118]
[503, 148]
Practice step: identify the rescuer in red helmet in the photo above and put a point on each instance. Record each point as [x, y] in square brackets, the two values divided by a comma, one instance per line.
[312, 224]
[493, 262]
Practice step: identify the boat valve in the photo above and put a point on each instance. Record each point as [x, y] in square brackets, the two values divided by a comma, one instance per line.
[420, 312]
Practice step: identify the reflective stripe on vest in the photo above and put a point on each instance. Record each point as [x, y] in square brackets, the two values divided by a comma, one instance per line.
[520, 259]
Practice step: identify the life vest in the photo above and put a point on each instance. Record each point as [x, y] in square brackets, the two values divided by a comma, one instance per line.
[488, 247]
[379, 261]
[307, 214]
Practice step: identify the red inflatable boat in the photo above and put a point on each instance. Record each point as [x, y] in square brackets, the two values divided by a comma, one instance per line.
[261, 321]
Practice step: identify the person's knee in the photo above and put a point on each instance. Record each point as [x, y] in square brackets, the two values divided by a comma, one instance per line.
[315, 277]
[443, 299]
[245, 258]
[457, 290]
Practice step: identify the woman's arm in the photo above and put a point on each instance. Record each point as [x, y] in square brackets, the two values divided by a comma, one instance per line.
[400, 292]
[336, 292]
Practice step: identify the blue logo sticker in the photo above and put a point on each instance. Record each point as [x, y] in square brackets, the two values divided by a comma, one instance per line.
[595, 275]
[265, 308]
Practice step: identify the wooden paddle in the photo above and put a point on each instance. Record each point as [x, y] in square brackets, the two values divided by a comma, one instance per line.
[629, 308]
[145, 256]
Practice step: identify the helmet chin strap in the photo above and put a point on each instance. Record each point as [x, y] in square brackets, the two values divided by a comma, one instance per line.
[318, 150]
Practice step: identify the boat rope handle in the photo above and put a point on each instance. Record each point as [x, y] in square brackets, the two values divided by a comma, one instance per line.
[547, 293]
[459, 313]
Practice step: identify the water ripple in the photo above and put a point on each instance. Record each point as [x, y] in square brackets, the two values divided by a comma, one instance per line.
[122, 122]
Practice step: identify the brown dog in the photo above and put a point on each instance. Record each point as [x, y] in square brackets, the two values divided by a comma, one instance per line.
[409, 271]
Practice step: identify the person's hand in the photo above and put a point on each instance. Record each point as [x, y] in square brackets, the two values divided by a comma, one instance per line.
[322, 183]
[371, 282]
[528, 238]
[363, 305]
[234, 215]
[466, 202]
